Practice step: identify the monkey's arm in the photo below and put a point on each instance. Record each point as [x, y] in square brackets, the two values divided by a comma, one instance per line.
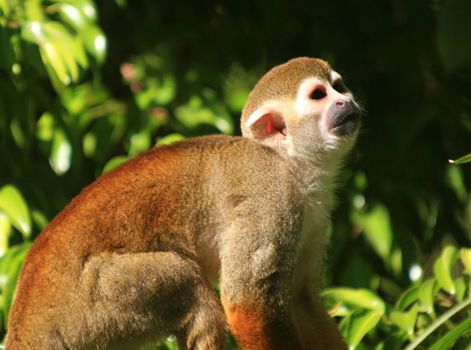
[257, 262]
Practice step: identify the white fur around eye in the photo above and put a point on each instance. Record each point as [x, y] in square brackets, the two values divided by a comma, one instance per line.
[304, 105]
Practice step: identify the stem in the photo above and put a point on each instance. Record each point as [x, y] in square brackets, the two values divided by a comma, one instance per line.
[442, 319]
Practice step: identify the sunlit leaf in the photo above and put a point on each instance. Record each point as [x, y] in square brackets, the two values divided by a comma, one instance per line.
[88, 8]
[361, 298]
[71, 14]
[67, 54]
[51, 56]
[461, 287]
[426, 295]
[393, 341]
[407, 298]
[376, 226]
[449, 339]
[465, 255]
[359, 324]
[69, 48]
[196, 113]
[78, 49]
[34, 10]
[14, 206]
[13, 270]
[45, 127]
[139, 142]
[405, 320]
[61, 153]
[443, 266]
[4, 8]
[158, 91]
[465, 159]
[169, 139]
[114, 163]
[95, 42]
[5, 228]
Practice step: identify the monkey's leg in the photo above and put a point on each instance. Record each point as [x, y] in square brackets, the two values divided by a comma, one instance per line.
[138, 297]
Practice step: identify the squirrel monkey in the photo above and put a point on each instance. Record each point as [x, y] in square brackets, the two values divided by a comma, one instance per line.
[129, 260]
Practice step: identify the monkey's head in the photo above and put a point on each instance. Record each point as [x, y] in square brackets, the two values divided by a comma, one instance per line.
[302, 108]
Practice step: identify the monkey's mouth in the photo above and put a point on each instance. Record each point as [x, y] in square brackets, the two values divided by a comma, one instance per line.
[345, 123]
[343, 118]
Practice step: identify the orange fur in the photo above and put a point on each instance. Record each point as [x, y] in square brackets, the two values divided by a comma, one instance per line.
[254, 331]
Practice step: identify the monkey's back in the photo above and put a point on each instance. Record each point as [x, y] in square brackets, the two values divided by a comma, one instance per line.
[145, 205]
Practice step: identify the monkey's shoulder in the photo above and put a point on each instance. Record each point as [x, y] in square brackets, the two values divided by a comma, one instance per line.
[210, 143]
[195, 152]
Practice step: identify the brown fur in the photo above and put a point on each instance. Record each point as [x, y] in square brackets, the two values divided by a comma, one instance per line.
[129, 260]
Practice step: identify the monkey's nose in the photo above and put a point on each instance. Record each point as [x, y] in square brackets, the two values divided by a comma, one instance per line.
[343, 117]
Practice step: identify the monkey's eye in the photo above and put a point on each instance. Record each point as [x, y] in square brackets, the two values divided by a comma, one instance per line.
[339, 86]
[319, 93]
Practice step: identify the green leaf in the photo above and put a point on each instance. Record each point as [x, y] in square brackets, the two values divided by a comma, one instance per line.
[5, 229]
[376, 226]
[4, 8]
[443, 266]
[17, 132]
[61, 153]
[357, 298]
[405, 320]
[461, 287]
[68, 47]
[455, 180]
[78, 49]
[450, 338]
[87, 7]
[39, 219]
[34, 10]
[202, 110]
[71, 14]
[393, 341]
[95, 42]
[358, 325]
[51, 57]
[445, 317]
[114, 163]
[158, 91]
[427, 295]
[170, 138]
[14, 206]
[18, 255]
[465, 255]
[139, 142]
[461, 160]
[45, 127]
[407, 298]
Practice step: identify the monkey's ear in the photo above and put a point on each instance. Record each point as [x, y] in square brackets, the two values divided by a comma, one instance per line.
[267, 125]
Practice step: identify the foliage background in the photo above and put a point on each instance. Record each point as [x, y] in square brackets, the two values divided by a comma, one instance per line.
[85, 85]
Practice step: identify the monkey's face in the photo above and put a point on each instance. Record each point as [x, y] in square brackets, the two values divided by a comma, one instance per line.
[302, 108]
[326, 113]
